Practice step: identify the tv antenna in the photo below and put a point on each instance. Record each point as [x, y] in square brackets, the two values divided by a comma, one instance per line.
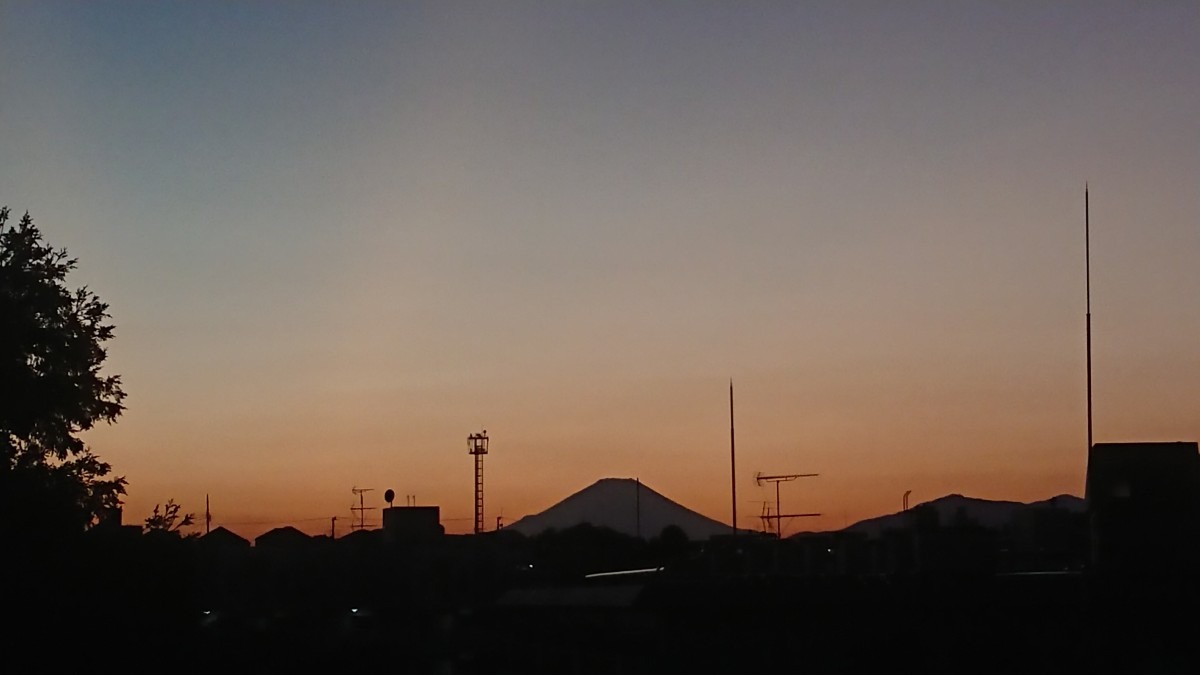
[779, 515]
[477, 445]
[765, 515]
[361, 508]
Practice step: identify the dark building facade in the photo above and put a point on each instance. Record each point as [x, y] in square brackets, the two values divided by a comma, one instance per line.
[1144, 507]
[407, 523]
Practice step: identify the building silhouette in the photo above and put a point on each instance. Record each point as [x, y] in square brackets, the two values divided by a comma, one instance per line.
[1143, 508]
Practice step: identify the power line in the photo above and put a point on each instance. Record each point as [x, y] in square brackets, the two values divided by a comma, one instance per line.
[286, 521]
[283, 521]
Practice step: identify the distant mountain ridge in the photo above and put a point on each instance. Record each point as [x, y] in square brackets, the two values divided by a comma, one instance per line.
[993, 514]
[614, 503]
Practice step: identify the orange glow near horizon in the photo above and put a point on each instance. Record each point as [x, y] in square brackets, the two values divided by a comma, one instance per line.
[917, 442]
[337, 239]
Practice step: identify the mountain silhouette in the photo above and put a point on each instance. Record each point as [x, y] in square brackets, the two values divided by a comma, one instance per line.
[992, 514]
[614, 503]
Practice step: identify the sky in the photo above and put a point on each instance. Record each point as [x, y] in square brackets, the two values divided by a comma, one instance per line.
[338, 238]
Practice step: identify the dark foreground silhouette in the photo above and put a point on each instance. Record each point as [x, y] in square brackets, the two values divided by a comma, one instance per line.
[506, 603]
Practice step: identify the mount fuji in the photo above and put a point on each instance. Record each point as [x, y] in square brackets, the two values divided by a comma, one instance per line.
[615, 503]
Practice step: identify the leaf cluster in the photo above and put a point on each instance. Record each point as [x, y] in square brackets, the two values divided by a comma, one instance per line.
[166, 518]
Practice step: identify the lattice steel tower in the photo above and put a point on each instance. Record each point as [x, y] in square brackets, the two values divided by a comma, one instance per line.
[477, 445]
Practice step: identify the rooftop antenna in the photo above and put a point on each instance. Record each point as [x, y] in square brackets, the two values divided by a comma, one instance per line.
[765, 515]
[389, 496]
[477, 445]
[361, 508]
[759, 478]
[732, 461]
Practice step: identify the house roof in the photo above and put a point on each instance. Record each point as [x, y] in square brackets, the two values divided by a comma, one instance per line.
[224, 537]
[281, 535]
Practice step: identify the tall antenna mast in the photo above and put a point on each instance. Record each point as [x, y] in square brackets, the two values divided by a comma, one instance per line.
[732, 462]
[1087, 253]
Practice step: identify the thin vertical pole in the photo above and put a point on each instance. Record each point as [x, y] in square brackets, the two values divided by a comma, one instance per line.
[1088, 271]
[732, 460]
[638, 507]
[778, 514]
[207, 515]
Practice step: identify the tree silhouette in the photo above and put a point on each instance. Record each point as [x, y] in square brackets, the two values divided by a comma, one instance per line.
[51, 351]
[671, 543]
[168, 520]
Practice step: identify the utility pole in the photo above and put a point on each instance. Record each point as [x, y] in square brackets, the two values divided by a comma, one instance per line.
[732, 461]
[333, 527]
[637, 506]
[207, 515]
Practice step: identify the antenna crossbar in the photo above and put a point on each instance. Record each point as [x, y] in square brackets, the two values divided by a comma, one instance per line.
[361, 509]
[778, 516]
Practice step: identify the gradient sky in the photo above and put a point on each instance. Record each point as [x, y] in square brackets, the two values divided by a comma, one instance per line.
[337, 238]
